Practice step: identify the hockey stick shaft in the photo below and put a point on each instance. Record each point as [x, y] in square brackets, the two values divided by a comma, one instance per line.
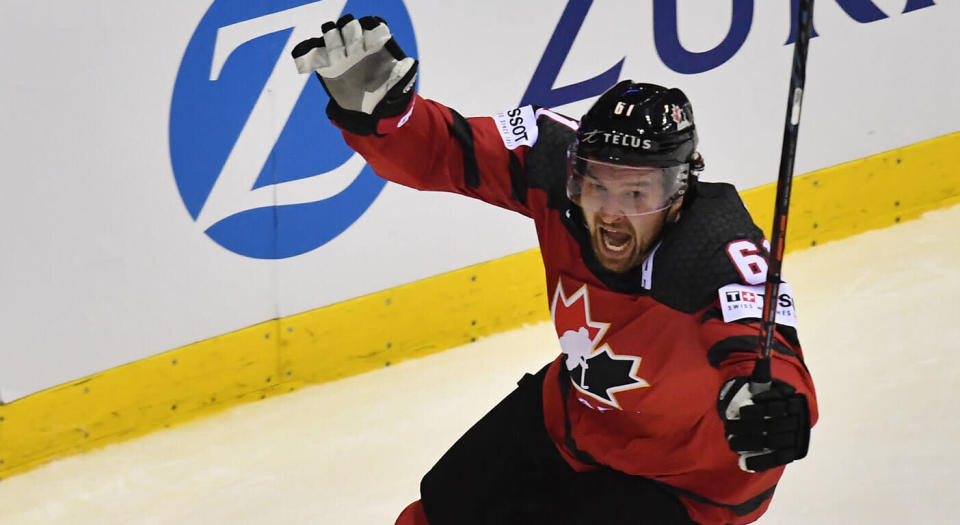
[761, 371]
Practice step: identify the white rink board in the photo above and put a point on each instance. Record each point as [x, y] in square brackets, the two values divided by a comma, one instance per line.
[103, 264]
[353, 451]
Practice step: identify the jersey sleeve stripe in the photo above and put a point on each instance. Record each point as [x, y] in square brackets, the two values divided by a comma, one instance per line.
[721, 350]
[461, 131]
[740, 509]
[518, 180]
[788, 332]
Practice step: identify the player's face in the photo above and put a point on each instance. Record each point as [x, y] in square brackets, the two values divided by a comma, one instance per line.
[621, 238]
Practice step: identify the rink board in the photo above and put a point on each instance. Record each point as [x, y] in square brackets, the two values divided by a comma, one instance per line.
[420, 318]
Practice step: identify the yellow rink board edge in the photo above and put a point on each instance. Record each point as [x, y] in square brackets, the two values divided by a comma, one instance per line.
[420, 318]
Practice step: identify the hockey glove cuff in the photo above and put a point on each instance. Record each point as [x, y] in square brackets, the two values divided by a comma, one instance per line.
[369, 79]
[766, 429]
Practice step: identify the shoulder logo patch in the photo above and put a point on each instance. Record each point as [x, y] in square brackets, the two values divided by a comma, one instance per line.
[738, 301]
[517, 127]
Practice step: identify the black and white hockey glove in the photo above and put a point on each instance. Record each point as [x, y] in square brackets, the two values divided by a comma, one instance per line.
[369, 78]
[767, 429]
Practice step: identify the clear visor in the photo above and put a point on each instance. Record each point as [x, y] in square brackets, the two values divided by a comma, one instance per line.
[623, 190]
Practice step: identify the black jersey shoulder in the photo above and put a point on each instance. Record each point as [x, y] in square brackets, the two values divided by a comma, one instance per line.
[546, 162]
[692, 261]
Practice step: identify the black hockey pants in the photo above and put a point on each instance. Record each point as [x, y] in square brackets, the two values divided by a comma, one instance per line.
[505, 470]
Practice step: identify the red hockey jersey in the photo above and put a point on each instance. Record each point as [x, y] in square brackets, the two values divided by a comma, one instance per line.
[645, 352]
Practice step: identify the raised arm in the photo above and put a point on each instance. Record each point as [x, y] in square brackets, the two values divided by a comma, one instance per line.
[405, 138]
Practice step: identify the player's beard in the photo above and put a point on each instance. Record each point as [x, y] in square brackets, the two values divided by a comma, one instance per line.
[617, 246]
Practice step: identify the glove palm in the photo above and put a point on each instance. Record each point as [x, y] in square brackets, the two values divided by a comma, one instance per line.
[362, 68]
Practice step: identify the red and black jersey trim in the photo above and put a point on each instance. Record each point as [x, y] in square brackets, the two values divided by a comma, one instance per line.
[740, 509]
[721, 350]
[788, 332]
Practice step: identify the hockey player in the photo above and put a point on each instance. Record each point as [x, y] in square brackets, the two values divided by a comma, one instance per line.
[647, 415]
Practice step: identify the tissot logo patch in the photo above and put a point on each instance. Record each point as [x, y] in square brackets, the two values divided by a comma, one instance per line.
[741, 302]
[518, 127]
[595, 370]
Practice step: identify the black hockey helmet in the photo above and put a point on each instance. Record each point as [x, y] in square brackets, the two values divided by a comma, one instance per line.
[638, 125]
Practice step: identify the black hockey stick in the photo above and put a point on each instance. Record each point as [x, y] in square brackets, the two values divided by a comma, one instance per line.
[760, 381]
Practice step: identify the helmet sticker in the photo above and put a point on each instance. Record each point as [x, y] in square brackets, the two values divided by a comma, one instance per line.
[679, 116]
[617, 138]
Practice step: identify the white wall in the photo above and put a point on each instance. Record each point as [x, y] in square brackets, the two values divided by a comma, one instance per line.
[102, 263]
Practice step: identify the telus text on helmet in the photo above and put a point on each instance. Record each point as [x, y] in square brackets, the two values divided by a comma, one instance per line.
[617, 138]
[666, 39]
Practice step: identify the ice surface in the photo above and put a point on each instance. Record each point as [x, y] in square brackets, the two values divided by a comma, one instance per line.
[879, 325]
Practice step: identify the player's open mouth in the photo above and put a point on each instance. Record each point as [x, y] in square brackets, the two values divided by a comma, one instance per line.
[614, 243]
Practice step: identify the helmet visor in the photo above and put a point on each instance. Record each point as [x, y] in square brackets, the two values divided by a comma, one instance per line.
[619, 189]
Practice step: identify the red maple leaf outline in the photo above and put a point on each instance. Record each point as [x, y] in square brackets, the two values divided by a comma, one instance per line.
[560, 296]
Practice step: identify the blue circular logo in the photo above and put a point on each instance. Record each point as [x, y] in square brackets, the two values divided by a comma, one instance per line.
[258, 165]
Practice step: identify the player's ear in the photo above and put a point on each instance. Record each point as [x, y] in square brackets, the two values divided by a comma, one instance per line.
[673, 213]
